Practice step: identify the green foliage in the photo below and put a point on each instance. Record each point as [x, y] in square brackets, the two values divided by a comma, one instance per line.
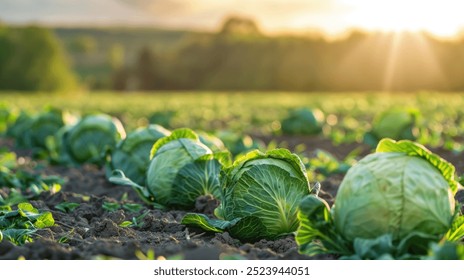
[316, 233]
[303, 121]
[239, 144]
[181, 169]
[33, 131]
[446, 251]
[83, 44]
[24, 185]
[260, 196]
[67, 207]
[7, 159]
[32, 59]
[212, 142]
[19, 226]
[19, 129]
[417, 184]
[7, 116]
[395, 123]
[114, 206]
[132, 154]
[87, 141]
[391, 205]
[326, 164]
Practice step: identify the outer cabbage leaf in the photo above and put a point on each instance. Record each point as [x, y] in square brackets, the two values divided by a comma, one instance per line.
[167, 173]
[195, 179]
[132, 154]
[247, 229]
[316, 233]
[212, 142]
[414, 149]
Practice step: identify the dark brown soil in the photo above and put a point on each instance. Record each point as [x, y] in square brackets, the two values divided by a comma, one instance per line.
[91, 232]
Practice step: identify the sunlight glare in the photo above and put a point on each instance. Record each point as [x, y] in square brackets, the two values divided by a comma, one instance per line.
[442, 18]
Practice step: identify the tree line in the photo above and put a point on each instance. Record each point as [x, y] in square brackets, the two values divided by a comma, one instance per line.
[32, 59]
[240, 57]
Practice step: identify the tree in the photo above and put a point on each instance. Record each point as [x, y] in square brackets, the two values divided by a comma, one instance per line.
[145, 70]
[34, 61]
[236, 25]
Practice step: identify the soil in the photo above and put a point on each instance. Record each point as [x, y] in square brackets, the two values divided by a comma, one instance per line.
[91, 232]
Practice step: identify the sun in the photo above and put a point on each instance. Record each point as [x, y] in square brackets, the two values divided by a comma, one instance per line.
[440, 17]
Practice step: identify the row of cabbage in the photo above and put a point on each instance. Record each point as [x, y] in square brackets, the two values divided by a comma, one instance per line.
[395, 203]
[390, 121]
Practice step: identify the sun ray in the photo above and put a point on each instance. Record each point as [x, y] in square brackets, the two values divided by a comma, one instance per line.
[392, 59]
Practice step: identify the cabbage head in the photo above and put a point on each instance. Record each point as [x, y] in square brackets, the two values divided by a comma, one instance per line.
[392, 204]
[88, 140]
[261, 193]
[402, 188]
[47, 124]
[132, 154]
[303, 121]
[181, 169]
[19, 130]
[396, 123]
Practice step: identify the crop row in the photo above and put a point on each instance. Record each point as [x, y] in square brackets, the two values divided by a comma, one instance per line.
[395, 203]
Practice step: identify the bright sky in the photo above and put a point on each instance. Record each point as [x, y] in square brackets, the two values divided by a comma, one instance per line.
[441, 17]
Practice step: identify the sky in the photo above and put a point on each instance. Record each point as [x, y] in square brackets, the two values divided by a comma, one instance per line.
[440, 17]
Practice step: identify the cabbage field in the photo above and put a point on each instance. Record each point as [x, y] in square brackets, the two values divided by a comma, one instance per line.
[231, 175]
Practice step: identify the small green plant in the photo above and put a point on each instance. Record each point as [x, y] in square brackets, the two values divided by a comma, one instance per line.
[25, 185]
[19, 226]
[122, 204]
[67, 207]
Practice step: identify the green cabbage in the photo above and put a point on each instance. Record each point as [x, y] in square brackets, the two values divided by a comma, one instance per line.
[403, 183]
[303, 121]
[33, 131]
[88, 141]
[181, 169]
[19, 130]
[396, 123]
[260, 196]
[132, 154]
[396, 201]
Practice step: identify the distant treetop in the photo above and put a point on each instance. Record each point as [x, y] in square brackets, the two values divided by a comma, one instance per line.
[239, 25]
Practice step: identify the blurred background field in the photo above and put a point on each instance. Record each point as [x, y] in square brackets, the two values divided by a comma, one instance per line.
[346, 116]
